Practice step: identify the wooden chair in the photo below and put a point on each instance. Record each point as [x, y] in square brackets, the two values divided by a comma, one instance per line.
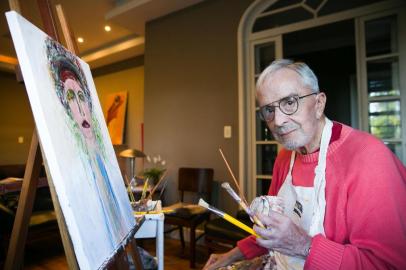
[198, 181]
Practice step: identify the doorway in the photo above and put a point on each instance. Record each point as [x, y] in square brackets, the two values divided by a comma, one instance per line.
[330, 51]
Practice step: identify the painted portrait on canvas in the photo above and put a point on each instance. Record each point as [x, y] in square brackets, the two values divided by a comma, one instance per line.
[75, 144]
[114, 113]
[74, 95]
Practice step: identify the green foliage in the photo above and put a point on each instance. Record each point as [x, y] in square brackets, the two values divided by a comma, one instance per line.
[156, 169]
[154, 174]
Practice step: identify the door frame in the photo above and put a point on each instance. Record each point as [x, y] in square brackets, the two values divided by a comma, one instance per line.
[252, 152]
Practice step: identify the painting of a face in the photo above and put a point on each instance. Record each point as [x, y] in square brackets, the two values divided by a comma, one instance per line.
[79, 106]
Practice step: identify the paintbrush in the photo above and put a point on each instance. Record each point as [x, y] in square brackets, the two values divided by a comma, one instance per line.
[157, 184]
[144, 190]
[244, 206]
[162, 190]
[132, 199]
[227, 217]
[232, 176]
[154, 212]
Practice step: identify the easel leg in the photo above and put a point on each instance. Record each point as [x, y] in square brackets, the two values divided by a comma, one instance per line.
[122, 261]
[135, 255]
[25, 204]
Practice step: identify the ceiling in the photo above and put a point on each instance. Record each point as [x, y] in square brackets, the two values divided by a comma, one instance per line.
[87, 19]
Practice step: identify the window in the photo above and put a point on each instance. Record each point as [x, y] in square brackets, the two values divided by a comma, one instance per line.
[379, 60]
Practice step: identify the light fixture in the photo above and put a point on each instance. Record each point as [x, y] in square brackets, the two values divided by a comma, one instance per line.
[107, 28]
[80, 40]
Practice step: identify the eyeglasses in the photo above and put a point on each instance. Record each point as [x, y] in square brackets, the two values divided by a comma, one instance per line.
[288, 105]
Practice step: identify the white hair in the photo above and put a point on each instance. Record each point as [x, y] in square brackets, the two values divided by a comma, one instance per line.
[309, 79]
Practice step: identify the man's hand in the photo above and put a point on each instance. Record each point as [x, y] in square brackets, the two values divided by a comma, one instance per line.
[219, 260]
[283, 235]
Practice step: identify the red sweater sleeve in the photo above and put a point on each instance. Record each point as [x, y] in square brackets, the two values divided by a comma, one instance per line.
[248, 245]
[373, 232]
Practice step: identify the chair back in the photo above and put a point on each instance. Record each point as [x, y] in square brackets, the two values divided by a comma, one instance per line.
[196, 180]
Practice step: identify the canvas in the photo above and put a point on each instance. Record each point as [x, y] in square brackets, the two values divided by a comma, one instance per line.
[75, 144]
[114, 113]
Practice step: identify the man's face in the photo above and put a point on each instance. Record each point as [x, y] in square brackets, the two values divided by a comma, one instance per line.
[299, 129]
[79, 107]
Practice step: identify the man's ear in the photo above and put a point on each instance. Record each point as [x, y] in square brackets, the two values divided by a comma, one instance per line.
[320, 104]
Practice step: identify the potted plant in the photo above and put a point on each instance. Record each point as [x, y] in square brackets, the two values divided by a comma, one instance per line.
[155, 169]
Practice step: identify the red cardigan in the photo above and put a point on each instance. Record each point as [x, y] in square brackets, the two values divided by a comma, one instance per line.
[365, 220]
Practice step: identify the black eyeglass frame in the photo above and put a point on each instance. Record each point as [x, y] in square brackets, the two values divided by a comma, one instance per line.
[296, 97]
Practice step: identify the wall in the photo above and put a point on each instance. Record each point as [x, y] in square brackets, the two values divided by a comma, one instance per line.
[15, 120]
[191, 89]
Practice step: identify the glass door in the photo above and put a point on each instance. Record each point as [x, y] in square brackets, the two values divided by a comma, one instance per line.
[382, 89]
[264, 148]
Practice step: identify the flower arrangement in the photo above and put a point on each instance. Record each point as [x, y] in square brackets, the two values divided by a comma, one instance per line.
[155, 170]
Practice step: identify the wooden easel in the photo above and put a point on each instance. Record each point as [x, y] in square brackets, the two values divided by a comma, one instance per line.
[18, 237]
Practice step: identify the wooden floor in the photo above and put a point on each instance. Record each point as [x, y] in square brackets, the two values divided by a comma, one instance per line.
[51, 255]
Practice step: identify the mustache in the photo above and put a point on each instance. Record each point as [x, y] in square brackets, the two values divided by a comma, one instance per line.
[285, 128]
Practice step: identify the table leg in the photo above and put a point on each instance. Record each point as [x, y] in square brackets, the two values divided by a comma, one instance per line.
[160, 243]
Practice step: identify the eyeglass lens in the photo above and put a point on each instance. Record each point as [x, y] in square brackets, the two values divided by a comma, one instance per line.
[288, 105]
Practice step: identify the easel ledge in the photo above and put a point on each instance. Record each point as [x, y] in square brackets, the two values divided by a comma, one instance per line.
[32, 171]
[128, 242]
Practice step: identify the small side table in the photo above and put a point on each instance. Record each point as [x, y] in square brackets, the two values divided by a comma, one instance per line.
[153, 227]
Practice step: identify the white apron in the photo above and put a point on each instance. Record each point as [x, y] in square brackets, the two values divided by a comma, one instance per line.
[306, 205]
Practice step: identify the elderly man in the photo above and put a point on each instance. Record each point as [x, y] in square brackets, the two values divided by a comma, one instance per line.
[344, 191]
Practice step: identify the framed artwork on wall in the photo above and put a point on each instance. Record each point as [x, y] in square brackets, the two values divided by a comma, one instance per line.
[114, 113]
